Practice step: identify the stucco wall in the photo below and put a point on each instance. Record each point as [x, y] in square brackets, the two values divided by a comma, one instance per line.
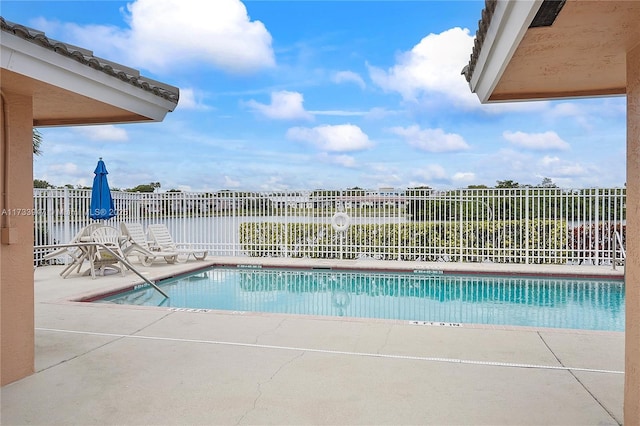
[632, 268]
[16, 258]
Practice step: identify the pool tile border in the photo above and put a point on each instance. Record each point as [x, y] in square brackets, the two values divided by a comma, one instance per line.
[91, 297]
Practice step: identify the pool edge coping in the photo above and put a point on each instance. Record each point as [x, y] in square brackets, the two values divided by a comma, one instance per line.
[90, 297]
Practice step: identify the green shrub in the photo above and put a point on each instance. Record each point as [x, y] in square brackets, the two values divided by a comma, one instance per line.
[509, 241]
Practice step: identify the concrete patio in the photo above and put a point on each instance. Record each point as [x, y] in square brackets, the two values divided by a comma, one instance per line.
[111, 364]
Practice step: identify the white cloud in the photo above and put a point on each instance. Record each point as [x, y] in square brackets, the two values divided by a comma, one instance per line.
[173, 34]
[432, 172]
[284, 106]
[388, 181]
[566, 109]
[587, 113]
[430, 73]
[556, 167]
[108, 41]
[191, 101]
[168, 33]
[65, 168]
[526, 167]
[431, 140]
[274, 183]
[536, 141]
[105, 132]
[381, 175]
[341, 160]
[464, 177]
[581, 114]
[348, 77]
[375, 113]
[433, 66]
[230, 183]
[381, 169]
[379, 113]
[340, 113]
[338, 138]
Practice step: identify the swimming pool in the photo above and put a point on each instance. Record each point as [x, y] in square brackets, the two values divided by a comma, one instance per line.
[424, 297]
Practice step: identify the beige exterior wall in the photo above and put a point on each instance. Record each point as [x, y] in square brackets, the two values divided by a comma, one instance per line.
[16, 248]
[632, 267]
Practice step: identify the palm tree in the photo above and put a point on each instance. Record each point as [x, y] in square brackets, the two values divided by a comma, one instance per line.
[37, 140]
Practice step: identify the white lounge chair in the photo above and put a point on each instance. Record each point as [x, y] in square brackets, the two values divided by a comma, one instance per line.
[107, 252]
[161, 239]
[137, 243]
[78, 254]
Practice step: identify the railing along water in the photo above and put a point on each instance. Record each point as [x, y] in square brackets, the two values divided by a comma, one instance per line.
[500, 225]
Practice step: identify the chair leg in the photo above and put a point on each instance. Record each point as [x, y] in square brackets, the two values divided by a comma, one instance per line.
[92, 268]
[199, 256]
[66, 271]
[75, 264]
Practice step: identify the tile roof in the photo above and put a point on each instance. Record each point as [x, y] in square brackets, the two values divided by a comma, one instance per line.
[483, 26]
[546, 15]
[86, 57]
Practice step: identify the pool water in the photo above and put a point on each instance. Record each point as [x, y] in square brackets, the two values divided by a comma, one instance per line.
[425, 298]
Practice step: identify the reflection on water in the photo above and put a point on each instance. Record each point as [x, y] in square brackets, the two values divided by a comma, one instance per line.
[536, 302]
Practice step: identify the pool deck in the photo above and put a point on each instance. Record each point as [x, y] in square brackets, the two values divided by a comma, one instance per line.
[110, 364]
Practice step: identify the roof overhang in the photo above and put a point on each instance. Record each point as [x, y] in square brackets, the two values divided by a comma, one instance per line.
[579, 50]
[69, 86]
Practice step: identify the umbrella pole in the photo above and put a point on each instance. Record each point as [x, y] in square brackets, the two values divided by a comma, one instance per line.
[129, 266]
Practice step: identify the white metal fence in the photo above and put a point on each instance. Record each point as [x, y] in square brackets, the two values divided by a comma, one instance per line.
[520, 225]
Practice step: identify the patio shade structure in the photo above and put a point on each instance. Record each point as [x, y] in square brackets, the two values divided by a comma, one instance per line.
[101, 207]
[47, 82]
[559, 49]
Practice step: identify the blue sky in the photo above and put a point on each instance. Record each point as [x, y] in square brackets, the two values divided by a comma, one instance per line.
[291, 95]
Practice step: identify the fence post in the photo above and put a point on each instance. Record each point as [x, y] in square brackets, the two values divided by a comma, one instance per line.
[286, 222]
[187, 211]
[527, 219]
[235, 221]
[596, 216]
[399, 219]
[66, 214]
[50, 216]
[459, 218]
[138, 206]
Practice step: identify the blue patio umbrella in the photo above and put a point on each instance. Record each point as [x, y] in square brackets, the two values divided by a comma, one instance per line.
[101, 202]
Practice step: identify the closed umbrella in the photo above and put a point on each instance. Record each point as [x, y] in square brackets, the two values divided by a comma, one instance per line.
[101, 201]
